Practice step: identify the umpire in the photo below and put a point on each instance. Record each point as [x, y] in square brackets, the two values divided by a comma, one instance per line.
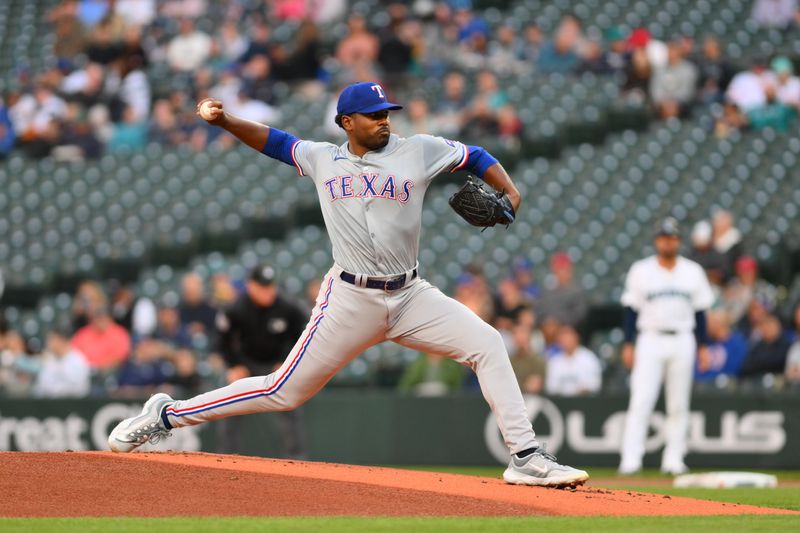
[255, 335]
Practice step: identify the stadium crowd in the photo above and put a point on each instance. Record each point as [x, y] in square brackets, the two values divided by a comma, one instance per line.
[124, 345]
[129, 72]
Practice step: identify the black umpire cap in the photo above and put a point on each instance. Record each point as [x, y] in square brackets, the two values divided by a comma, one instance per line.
[262, 274]
[668, 227]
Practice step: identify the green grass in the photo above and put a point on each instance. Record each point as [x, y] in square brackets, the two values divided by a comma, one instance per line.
[378, 525]
[596, 472]
[780, 498]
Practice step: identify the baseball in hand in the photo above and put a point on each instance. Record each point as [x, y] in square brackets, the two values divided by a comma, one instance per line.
[207, 112]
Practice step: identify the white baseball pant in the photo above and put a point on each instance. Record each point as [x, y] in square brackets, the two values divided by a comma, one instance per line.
[347, 320]
[659, 358]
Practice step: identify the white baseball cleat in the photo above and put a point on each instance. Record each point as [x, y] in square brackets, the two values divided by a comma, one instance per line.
[145, 427]
[542, 469]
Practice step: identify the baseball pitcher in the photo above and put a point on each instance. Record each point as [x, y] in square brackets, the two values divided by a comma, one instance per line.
[371, 190]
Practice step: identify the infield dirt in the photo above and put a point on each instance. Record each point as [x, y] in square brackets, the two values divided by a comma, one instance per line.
[199, 484]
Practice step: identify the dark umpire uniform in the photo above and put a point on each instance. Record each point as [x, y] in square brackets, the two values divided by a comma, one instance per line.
[255, 335]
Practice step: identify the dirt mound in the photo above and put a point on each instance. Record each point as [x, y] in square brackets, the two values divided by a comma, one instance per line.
[172, 484]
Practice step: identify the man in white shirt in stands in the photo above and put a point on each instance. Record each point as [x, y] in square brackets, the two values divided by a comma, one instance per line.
[65, 373]
[574, 370]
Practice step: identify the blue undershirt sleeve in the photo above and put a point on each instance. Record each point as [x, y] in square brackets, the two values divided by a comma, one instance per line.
[279, 146]
[700, 328]
[479, 160]
[629, 317]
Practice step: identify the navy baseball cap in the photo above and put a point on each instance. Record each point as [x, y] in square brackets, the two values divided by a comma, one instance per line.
[668, 227]
[363, 97]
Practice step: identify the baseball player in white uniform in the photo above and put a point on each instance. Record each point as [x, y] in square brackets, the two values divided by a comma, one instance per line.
[370, 191]
[665, 299]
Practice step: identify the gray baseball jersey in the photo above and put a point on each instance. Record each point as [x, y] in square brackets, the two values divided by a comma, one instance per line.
[372, 205]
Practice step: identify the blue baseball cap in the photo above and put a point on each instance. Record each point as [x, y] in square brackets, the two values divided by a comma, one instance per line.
[363, 97]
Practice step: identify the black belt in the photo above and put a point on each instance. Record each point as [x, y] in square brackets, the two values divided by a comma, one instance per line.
[667, 332]
[384, 284]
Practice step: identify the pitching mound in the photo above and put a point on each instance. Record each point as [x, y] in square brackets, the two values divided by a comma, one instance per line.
[170, 484]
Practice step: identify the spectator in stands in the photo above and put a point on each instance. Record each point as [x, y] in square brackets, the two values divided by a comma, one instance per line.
[132, 85]
[595, 60]
[502, 53]
[230, 41]
[17, 368]
[138, 315]
[105, 343]
[637, 77]
[529, 367]
[290, 9]
[88, 299]
[432, 375]
[729, 120]
[469, 25]
[138, 13]
[77, 139]
[301, 60]
[394, 52]
[787, 85]
[616, 54]
[522, 274]
[37, 117]
[727, 348]
[188, 50]
[147, 368]
[528, 49]
[257, 80]
[103, 47]
[359, 45]
[574, 370]
[196, 314]
[450, 110]
[563, 299]
[550, 326]
[509, 126]
[258, 43]
[747, 89]
[128, 135]
[560, 55]
[727, 238]
[672, 87]
[508, 304]
[472, 291]
[415, 120]
[164, 128]
[780, 14]
[69, 34]
[704, 254]
[170, 330]
[792, 370]
[480, 121]
[767, 355]
[714, 72]
[223, 292]
[7, 135]
[773, 114]
[746, 287]
[183, 8]
[64, 371]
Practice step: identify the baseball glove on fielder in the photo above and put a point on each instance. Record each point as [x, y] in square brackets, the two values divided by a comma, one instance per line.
[480, 207]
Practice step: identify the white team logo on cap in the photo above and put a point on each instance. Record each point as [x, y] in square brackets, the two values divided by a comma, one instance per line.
[378, 89]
